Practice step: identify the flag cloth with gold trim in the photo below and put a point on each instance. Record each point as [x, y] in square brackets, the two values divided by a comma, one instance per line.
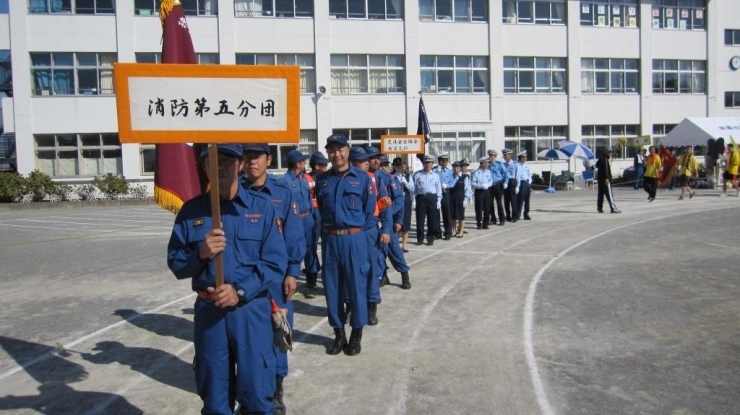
[177, 174]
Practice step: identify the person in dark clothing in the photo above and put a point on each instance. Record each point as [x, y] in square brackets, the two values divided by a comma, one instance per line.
[604, 179]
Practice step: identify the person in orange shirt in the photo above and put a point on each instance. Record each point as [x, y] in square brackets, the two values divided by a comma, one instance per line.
[688, 167]
[731, 171]
[653, 165]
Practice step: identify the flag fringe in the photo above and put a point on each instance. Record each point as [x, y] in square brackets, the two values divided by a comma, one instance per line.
[165, 8]
[167, 200]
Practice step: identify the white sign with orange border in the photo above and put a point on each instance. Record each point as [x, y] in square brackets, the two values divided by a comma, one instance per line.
[175, 103]
[402, 144]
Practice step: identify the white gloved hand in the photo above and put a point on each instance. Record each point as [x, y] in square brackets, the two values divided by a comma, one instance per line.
[444, 186]
[413, 206]
[439, 206]
[516, 191]
[465, 205]
[506, 186]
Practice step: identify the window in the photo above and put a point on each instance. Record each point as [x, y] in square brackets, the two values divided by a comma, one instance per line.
[732, 99]
[200, 7]
[147, 159]
[367, 136]
[78, 155]
[454, 74]
[534, 75]
[363, 74]
[609, 76]
[732, 37]
[679, 14]
[679, 77]
[69, 73]
[306, 62]
[307, 145]
[273, 8]
[468, 145]
[660, 131]
[533, 139]
[366, 9]
[454, 10]
[599, 137]
[550, 12]
[71, 6]
[609, 13]
[156, 57]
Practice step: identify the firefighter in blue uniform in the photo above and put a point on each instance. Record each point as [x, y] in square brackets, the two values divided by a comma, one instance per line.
[346, 200]
[319, 164]
[257, 158]
[393, 250]
[232, 321]
[295, 179]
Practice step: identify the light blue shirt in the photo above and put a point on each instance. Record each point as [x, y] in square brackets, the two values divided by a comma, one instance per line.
[425, 183]
[481, 179]
[523, 173]
[499, 172]
[446, 176]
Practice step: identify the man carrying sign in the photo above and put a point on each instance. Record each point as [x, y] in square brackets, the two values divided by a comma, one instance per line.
[232, 321]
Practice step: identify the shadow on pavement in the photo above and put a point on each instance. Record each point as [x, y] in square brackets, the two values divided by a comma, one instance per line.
[55, 396]
[160, 324]
[307, 309]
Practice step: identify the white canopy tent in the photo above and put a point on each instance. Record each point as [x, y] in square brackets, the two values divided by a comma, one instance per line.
[697, 131]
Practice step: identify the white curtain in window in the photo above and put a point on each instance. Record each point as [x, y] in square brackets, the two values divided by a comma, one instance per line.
[339, 81]
[378, 81]
[113, 165]
[587, 82]
[509, 12]
[45, 165]
[248, 8]
[357, 80]
[106, 75]
[67, 164]
[308, 80]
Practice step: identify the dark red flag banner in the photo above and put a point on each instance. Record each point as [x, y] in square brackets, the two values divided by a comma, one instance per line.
[669, 166]
[177, 173]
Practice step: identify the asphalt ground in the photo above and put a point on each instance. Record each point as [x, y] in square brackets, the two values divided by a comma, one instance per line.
[573, 312]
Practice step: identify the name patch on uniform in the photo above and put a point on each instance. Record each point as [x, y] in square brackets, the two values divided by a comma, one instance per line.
[325, 184]
[294, 206]
[279, 224]
[253, 217]
[198, 222]
[277, 202]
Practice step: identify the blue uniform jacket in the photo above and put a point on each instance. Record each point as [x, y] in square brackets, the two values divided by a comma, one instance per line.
[499, 172]
[425, 183]
[384, 181]
[255, 257]
[398, 197]
[346, 199]
[481, 179]
[446, 176]
[299, 185]
[287, 210]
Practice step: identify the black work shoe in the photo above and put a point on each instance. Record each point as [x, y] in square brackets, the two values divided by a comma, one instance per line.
[526, 217]
[340, 342]
[277, 398]
[405, 284]
[430, 242]
[501, 223]
[385, 280]
[310, 287]
[616, 211]
[600, 210]
[478, 226]
[354, 347]
[372, 313]
[446, 238]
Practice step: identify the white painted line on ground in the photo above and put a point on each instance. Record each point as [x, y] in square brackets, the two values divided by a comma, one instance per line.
[43, 357]
[52, 227]
[542, 400]
[112, 223]
[724, 246]
[106, 219]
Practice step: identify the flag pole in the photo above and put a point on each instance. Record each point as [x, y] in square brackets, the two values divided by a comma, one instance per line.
[215, 208]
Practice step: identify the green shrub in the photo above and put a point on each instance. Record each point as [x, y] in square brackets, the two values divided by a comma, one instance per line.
[111, 185]
[11, 187]
[40, 184]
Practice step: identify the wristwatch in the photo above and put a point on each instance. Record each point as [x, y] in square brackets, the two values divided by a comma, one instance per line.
[242, 295]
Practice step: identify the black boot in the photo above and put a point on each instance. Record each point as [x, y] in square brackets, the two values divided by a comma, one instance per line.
[277, 398]
[385, 280]
[355, 343]
[310, 286]
[372, 312]
[405, 284]
[340, 341]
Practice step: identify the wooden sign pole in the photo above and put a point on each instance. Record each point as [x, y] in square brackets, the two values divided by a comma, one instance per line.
[215, 207]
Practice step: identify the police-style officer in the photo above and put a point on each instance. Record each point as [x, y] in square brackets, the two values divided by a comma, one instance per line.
[256, 160]
[524, 177]
[445, 177]
[319, 164]
[233, 318]
[393, 250]
[510, 193]
[428, 197]
[461, 195]
[408, 192]
[346, 199]
[500, 177]
[481, 183]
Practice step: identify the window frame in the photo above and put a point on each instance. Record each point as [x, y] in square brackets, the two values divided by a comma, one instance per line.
[79, 148]
[457, 68]
[308, 72]
[145, 57]
[511, 12]
[538, 138]
[341, 73]
[74, 68]
[590, 69]
[539, 66]
[734, 37]
[663, 12]
[734, 99]
[609, 135]
[71, 7]
[428, 11]
[615, 13]
[659, 73]
[306, 12]
[350, 10]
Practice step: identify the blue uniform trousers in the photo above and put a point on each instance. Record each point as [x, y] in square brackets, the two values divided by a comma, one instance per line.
[313, 247]
[523, 199]
[310, 261]
[345, 270]
[394, 252]
[377, 264]
[225, 337]
[510, 200]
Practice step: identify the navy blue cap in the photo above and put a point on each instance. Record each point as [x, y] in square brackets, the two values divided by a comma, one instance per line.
[358, 153]
[234, 150]
[397, 160]
[384, 159]
[318, 158]
[336, 139]
[294, 156]
[372, 152]
[258, 147]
